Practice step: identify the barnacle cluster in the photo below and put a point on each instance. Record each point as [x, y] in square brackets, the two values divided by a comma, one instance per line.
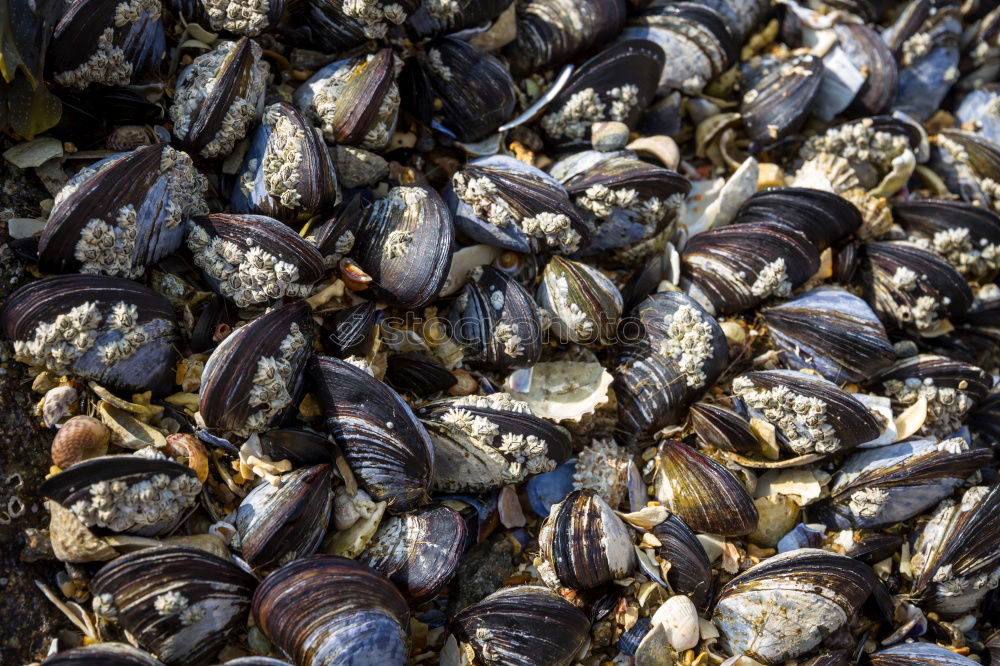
[108, 248]
[244, 17]
[801, 419]
[272, 381]
[516, 453]
[959, 248]
[185, 187]
[772, 280]
[121, 506]
[283, 158]
[689, 343]
[946, 406]
[603, 466]
[58, 344]
[107, 64]
[573, 119]
[375, 16]
[555, 229]
[324, 109]
[481, 193]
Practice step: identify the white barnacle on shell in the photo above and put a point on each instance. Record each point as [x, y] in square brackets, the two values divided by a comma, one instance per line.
[482, 194]
[170, 603]
[283, 159]
[107, 64]
[946, 407]
[772, 280]
[107, 247]
[555, 229]
[574, 118]
[122, 507]
[603, 467]
[506, 335]
[272, 381]
[436, 64]
[243, 17]
[57, 345]
[688, 343]
[104, 606]
[328, 93]
[801, 419]
[904, 278]
[131, 11]
[397, 243]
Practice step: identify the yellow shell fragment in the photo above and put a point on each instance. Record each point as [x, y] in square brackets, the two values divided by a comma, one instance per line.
[72, 541]
[128, 431]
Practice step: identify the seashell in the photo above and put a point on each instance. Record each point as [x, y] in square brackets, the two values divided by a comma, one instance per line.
[255, 374]
[633, 200]
[551, 32]
[616, 84]
[137, 495]
[603, 467]
[418, 551]
[494, 318]
[476, 92]
[929, 654]
[287, 172]
[703, 493]
[404, 243]
[351, 331]
[864, 47]
[874, 548]
[484, 442]
[696, 39]
[218, 97]
[301, 447]
[831, 331]
[974, 110]
[690, 571]
[388, 450]
[777, 104]
[629, 641]
[970, 165]
[78, 439]
[334, 26]
[967, 236]
[420, 374]
[278, 524]
[809, 414]
[256, 661]
[215, 322]
[955, 559]
[353, 101]
[503, 202]
[179, 603]
[331, 610]
[253, 259]
[561, 390]
[891, 484]
[126, 430]
[103, 654]
[109, 330]
[911, 287]
[822, 217]
[678, 616]
[584, 304]
[735, 268]
[241, 17]
[95, 42]
[548, 488]
[525, 625]
[789, 603]
[951, 389]
[722, 428]
[670, 351]
[444, 17]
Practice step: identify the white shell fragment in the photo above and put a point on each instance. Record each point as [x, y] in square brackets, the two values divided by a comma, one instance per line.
[561, 390]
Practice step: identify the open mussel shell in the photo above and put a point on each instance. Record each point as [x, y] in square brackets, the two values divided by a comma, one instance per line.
[831, 331]
[403, 242]
[703, 493]
[324, 610]
[951, 388]
[476, 92]
[445, 17]
[502, 202]
[354, 101]
[218, 97]
[734, 268]
[523, 625]
[241, 17]
[96, 42]
[789, 603]
[777, 104]
[113, 331]
[690, 571]
[277, 524]
[583, 544]
[256, 373]
[891, 484]
[967, 236]
[103, 654]
[126, 493]
[823, 217]
[98, 226]
[387, 448]
[179, 603]
[484, 442]
[722, 428]
[809, 414]
[670, 351]
[287, 172]
[616, 84]
[864, 47]
[924, 654]
[956, 558]
[632, 199]
[583, 302]
[695, 39]
[496, 320]
[912, 287]
[418, 551]
[551, 32]
[253, 259]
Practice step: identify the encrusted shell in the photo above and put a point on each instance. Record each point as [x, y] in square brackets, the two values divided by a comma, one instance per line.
[777, 104]
[967, 236]
[823, 217]
[103, 654]
[584, 303]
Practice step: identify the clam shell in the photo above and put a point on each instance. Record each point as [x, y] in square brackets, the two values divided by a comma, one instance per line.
[388, 450]
[324, 610]
[446, 18]
[703, 493]
[180, 603]
[927, 654]
[523, 625]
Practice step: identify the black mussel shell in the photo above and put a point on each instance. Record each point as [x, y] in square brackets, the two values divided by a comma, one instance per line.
[336, 26]
[388, 449]
[180, 603]
[445, 17]
[255, 375]
[324, 610]
[722, 428]
[864, 47]
[351, 331]
[420, 374]
[777, 104]
[734, 268]
[523, 625]
[214, 323]
[831, 331]
[823, 217]
[967, 236]
[875, 547]
[103, 654]
[113, 331]
[924, 654]
[583, 303]
[690, 571]
[301, 447]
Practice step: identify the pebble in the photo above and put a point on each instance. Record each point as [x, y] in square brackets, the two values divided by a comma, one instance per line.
[609, 136]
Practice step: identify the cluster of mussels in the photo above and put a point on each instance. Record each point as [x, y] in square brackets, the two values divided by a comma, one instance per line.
[542, 332]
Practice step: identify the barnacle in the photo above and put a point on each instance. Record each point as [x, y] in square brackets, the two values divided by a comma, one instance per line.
[688, 343]
[946, 407]
[800, 418]
[244, 17]
[603, 466]
[107, 64]
[272, 381]
[120, 506]
[585, 107]
[282, 158]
